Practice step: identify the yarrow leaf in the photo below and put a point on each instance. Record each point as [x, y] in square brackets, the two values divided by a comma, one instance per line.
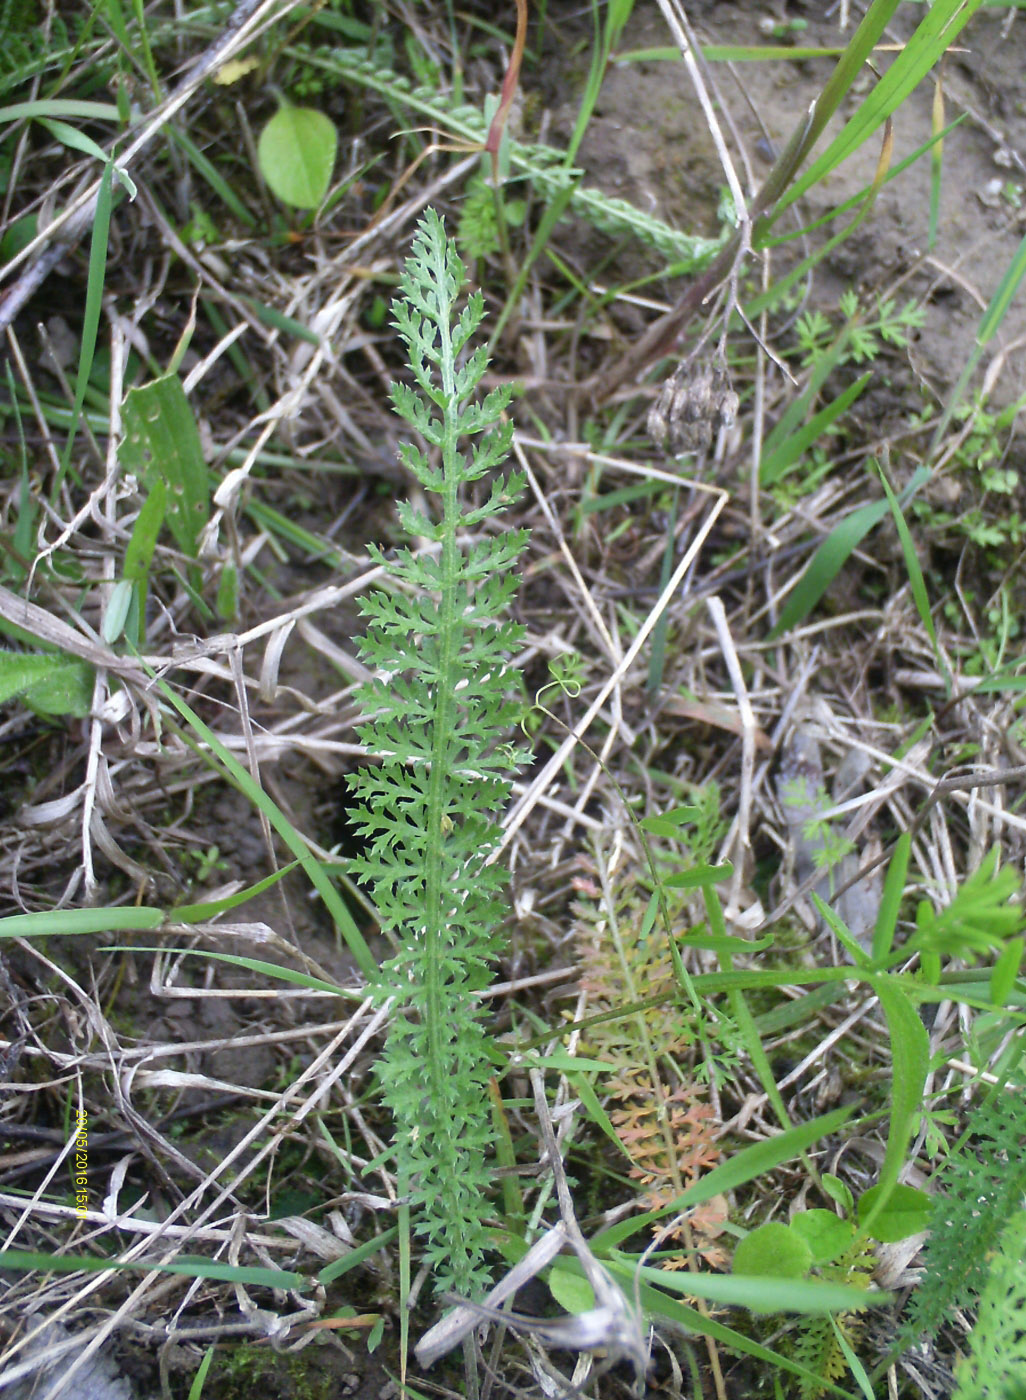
[439, 714]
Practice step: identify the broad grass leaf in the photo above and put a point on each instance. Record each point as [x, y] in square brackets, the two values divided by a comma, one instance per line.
[784, 456]
[910, 1053]
[162, 444]
[827, 562]
[48, 683]
[830, 558]
[296, 152]
[66, 923]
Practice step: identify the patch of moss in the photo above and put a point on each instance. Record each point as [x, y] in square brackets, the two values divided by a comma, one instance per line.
[248, 1370]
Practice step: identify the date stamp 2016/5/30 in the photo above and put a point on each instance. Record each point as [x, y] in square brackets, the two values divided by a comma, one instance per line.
[80, 1174]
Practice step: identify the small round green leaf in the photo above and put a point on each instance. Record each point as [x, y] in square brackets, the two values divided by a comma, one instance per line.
[907, 1212]
[826, 1234]
[773, 1250]
[296, 152]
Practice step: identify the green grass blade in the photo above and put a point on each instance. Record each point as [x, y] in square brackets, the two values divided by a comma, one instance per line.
[147, 63]
[936, 163]
[657, 1304]
[849, 66]
[765, 1295]
[192, 1268]
[60, 107]
[890, 903]
[209, 172]
[910, 1054]
[779, 461]
[208, 909]
[273, 971]
[217, 755]
[553, 211]
[940, 27]
[278, 321]
[916, 580]
[139, 553]
[730, 53]
[802, 231]
[581, 1086]
[863, 202]
[64, 923]
[355, 1257]
[91, 317]
[990, 323]
[162, 444]
[16, 564]
[826, 564]
[199, 1379]
[74, 139]
[617, 13]
[795, 411]
[855, 1366]
[831, 556]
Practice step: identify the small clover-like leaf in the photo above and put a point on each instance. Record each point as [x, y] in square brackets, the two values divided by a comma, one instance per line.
[826, 1234]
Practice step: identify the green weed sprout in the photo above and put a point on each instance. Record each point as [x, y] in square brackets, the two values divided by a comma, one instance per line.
[442, 706]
